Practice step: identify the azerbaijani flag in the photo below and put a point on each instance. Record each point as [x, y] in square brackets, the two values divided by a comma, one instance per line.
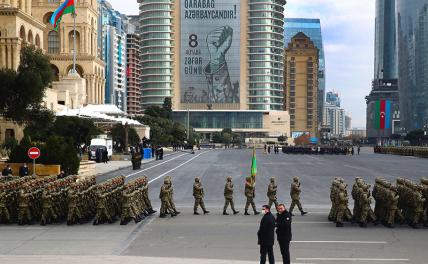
[65, 8]
[254, 165]
[382, 114]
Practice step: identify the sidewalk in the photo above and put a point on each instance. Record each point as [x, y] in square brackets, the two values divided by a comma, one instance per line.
[54, 259]
[102, 168]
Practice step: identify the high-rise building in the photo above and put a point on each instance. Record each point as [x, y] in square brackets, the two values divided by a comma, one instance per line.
[412, 41]
[208, 56]
[333, 98]
[334, 118]
[385, 41]
[301, 84]
[133, 71]
[59, 44]
[348, 122]
[181, 57]
[385, 83]
[266, 54]
[113, 52]
[312, 29]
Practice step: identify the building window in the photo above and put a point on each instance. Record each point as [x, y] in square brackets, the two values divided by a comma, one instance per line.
[53, 42]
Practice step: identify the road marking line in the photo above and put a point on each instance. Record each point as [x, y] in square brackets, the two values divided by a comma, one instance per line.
[351, 259]
[311, 222]
[132, 174]
[342, 242]
[163, 174]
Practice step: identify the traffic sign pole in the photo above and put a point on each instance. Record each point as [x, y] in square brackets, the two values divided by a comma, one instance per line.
[34, 153]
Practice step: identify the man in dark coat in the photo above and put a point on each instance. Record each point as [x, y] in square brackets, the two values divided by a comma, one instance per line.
[23, 170]
[283, 232]
[266, 236]
[7, 171]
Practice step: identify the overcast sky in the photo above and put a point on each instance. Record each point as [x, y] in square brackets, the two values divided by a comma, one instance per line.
[348, 35]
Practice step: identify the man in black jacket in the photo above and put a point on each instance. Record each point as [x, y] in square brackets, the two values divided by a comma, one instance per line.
[266, 236]
[283, 232]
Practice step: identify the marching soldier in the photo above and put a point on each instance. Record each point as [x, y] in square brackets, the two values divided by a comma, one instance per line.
[24, 214]
[295, 196]
[102, 211]
[228, 196]
[367, 213]
[343, 211]
[171, 197]
[74, 214]
[394, 211]
[4, 212]
[165, 200]
[48, 213]
[145, 194]
[198, 193]
[271, 192]
[250, 193]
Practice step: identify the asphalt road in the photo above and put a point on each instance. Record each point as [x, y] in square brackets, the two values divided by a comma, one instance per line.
[228, 238]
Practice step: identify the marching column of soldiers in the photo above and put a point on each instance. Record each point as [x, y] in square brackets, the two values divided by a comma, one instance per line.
[318, 150]
[403, 203]
[75, 200]
[403, 151]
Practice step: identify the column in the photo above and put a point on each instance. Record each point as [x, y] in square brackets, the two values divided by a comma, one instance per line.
[93, 89]
[13, 3]
[84, 40]
[100, 87]
[28, 4]
[9, 57]
[14, 62]
[63, 39]
[88, 89]
[3, 56]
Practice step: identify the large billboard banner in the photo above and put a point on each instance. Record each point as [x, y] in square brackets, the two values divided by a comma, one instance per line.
[210, 51]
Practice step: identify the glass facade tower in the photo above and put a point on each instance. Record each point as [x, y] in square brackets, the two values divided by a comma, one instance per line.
[266, 54]
[312, 29]
[412, 43]
[385, 41]
[156, 29]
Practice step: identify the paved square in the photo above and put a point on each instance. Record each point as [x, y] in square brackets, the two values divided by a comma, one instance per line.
[215, 238]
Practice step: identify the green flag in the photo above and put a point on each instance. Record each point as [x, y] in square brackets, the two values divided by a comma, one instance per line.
[254, 164]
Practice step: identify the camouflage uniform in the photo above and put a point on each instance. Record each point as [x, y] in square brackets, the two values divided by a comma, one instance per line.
[250, 193]
[165, 200]
[228, 196]
[271, 193]
[198, 194]
[295, 196]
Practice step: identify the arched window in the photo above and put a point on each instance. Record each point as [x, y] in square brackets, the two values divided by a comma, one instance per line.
[79, 69]
[71, 41]
[37, 41]
[22, 34]
[47, 18]
[53, 42]
[55, 73]
[30, 37]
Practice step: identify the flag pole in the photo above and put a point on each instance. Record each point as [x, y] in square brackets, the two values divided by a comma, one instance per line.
[74, 42]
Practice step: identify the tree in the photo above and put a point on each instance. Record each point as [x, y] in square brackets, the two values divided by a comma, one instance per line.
[178, 133]
[118, 135]
[217, 137]
[39, 125]
[167, 107]
[416, 137]
[23, 90]
[79, 129]
[282, 138]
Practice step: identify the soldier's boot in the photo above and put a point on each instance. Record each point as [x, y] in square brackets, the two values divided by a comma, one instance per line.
[363, 225]
[225, 213]
[162, 215]
[96, 222]
[235, 212]
[137, 219]
[246, 212]
[389, 225]
[206, 212]
[177, 212]
[339, 224]
[173, 214]
[303, 212]
[195, 212]
[123, 221]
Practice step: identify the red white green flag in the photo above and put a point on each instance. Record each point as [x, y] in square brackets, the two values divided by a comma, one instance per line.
[65, 8]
